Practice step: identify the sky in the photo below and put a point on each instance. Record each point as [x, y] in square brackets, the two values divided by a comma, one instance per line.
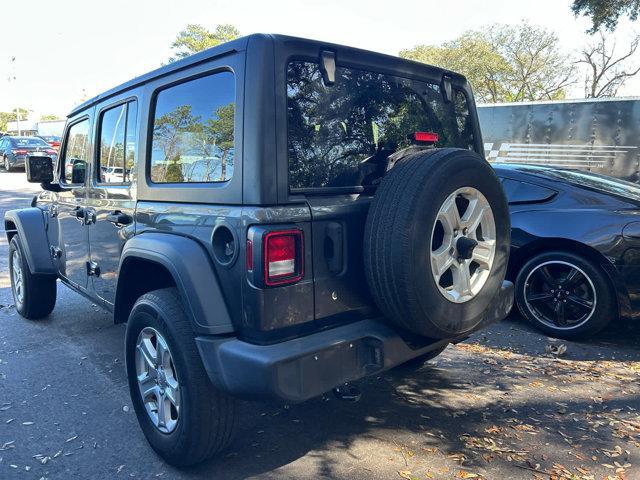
[67, 49]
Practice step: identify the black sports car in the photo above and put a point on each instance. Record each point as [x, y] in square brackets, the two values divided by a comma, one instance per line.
[575, 253]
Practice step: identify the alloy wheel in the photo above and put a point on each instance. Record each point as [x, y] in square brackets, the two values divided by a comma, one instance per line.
[18, 278]
[157, 380]
[560, 295]
[463, 245]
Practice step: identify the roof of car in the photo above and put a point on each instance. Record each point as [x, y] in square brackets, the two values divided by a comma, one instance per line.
[236, 45]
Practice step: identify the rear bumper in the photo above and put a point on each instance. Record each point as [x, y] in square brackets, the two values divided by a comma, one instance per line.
[306, 367]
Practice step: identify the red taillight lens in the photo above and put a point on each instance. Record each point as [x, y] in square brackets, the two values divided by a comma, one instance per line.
[283, 251]
[19, 152]
[51, 151]
[425, 137]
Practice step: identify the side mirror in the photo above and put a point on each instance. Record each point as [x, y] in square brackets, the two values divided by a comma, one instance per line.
[39, 169]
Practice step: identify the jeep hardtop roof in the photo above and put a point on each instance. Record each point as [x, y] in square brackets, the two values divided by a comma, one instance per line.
[241, 44]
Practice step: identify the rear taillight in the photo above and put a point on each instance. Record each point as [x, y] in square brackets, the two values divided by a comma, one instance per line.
[50, 151]
[283, 257]
[19, 152]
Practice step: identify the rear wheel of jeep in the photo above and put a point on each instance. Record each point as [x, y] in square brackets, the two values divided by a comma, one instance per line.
[33, 295]
[184, 418]
[437, 242]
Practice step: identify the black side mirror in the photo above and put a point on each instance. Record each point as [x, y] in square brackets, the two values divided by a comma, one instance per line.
[39, 169]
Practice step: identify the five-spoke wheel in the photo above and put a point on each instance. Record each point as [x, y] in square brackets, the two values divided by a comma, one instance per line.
[157, 380]
[463, 244]
[564, 294]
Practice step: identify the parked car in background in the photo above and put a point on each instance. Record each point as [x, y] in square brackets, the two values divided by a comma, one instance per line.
[15, 150]
[575, 247]
[52, 140]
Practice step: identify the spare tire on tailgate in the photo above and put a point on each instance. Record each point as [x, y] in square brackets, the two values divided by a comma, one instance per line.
[436, 242]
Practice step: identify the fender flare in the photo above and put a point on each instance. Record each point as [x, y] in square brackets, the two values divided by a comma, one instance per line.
[31, 228]
[193, 273]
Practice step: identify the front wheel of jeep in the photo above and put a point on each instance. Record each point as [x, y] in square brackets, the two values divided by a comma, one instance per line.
[184, 418]
[33, 295]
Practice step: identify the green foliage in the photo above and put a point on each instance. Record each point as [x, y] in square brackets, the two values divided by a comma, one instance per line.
[195, 38]
[174, 171]
[6, 117]
[606, 13]
[504, 63]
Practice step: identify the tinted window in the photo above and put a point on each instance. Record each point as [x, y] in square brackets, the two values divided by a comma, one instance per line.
[193, 131]
[117, 141]
[75, 153]
[339, 134]
[523, 192]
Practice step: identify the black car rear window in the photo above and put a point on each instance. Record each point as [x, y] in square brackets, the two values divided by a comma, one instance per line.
[335, 132]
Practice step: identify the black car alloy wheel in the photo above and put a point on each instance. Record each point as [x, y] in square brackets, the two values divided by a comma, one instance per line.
[560, 294]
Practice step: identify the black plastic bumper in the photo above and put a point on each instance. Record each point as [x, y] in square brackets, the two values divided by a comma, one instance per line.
[309, 366]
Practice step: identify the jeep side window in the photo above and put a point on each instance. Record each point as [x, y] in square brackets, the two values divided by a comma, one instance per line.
[193, 131]
[116, 145]
[75, 155]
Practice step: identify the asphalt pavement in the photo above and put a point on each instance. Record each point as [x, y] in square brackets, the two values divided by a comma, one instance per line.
[503, 404]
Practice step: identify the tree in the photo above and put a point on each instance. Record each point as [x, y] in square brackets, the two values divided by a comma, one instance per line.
[505, 63]
[606, 13]
[6, 117]
[168, 130]
[195, 38]
[606, 71]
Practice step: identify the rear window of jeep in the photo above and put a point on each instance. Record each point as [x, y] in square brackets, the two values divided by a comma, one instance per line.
[335, 133]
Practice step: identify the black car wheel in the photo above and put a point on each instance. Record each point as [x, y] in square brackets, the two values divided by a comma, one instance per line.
[7, 166]
[183, 416]
[565, 295]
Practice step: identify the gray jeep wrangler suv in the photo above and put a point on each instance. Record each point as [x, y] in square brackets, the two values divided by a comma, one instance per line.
[272, 218]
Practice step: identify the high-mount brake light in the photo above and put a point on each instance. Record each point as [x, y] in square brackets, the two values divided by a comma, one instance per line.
[283, 252]
[426, 137]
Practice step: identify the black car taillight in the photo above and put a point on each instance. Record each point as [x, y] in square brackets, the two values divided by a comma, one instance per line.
[283, 257]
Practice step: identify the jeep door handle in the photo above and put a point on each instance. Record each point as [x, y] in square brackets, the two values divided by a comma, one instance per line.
[119, 218]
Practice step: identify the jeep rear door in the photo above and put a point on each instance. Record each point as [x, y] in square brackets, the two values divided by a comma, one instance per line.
[340, 133]
[110, 198]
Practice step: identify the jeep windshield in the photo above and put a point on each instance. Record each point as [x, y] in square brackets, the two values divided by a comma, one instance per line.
[339, 135]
